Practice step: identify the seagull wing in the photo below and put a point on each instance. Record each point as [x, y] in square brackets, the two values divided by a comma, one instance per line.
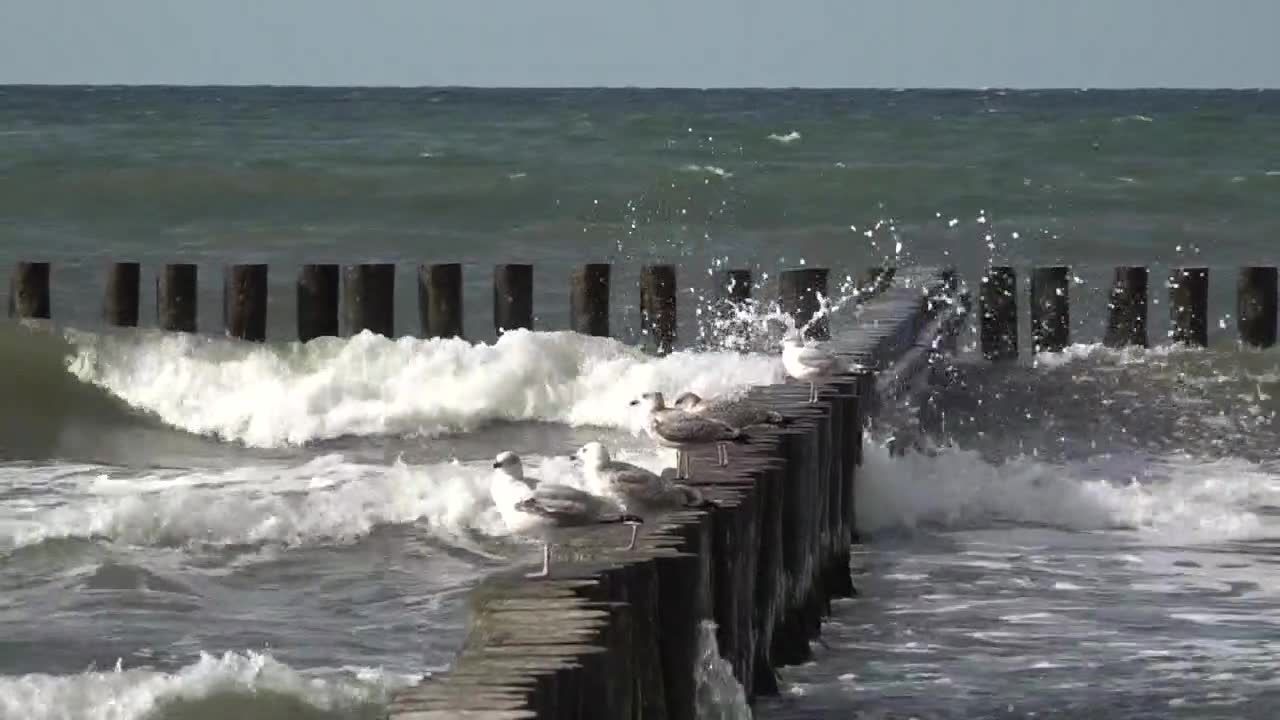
[683, 427]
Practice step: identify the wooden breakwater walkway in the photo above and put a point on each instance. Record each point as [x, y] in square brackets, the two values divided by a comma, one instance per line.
[615, 633]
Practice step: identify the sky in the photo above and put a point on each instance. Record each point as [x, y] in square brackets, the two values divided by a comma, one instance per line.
[645, 43]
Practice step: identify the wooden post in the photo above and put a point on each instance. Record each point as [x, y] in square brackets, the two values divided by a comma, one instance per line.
[736, 286]
[1189, 306]
[29, 291]
[512, 297]
[658, 306]
[1256, 306]
[799, 294]
[176, 297]
[318, 301]
[121, 302]
[244, 302]
[440, 300]
[589, 300]
[370, 292]
[999, 327]
[1050, 309]
[1127, 322]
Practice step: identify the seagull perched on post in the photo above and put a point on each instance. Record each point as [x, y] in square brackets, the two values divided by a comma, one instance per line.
[735, 412]
[639, 488]
[682, 430]
[553, 506]
[808, 362]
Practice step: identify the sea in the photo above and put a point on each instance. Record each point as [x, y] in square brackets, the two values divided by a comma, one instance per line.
[194, 527]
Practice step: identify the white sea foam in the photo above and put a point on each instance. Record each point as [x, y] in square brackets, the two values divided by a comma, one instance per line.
[1180, 501]
[138, 693]
[276, 395]
[710, 169]
[785, 139]
[719, 694]
[327, 500]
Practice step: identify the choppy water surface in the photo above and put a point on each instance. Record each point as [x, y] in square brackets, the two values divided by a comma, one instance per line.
[191, 527]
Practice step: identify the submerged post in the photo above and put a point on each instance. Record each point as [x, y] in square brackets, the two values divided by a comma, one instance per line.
[1256, 306]
[800, 294]
[1189, 306]
[244, 302]
[29, 291]
[176, 297]
[317, 301]
[1050, 310]
[658, 306]
[440, 300]
[120, 302]
[370, 298]
[999, 327]
[589, 300]
[1127, 322]
[512, 297]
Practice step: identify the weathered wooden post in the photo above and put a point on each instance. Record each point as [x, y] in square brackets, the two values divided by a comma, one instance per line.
[800, 294]
[512, 297]
[176, 297]
[121, 302]
[318, 301]
[370, 298]
[1256, 306]
[736, 286]
[999, 326]
[658, 306]
[1189, 306]
[29, 290]
[244, 302]
[1050, 310]
[589, 300]
[440, 300]
[1127, 321]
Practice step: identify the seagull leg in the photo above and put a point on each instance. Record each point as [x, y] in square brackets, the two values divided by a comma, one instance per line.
[546, 563]
[813, 392]
[635, 529]
[722, 454]
[681, 461]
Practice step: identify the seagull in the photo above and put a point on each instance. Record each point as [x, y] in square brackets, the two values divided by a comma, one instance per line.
[640, 489]
[808, 362]
[739, 412]
[552, 506]
[682, 430]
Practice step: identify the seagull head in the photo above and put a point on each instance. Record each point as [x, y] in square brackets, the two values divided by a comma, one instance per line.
[651, 401]
[593, 454]
[509, 463]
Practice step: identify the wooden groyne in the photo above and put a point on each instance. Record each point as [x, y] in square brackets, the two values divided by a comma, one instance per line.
[614, 633]
[1127, 308]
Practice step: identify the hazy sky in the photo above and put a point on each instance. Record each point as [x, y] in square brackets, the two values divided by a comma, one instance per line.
[697, 43]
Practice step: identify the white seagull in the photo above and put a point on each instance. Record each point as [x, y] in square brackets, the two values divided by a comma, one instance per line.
[553, 506]
[808, 362]
[682, 430]
[736, 412]
[641, 490]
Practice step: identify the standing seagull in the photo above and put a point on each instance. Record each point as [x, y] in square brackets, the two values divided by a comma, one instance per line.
[640, 489]
[552, 506]
[737, 412]
[808, 362]
[682, 430]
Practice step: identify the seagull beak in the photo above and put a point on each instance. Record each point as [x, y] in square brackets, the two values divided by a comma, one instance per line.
[497, 464]
[634, 402]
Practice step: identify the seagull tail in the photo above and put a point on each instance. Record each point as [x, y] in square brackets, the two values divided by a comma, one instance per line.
[777, 418]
